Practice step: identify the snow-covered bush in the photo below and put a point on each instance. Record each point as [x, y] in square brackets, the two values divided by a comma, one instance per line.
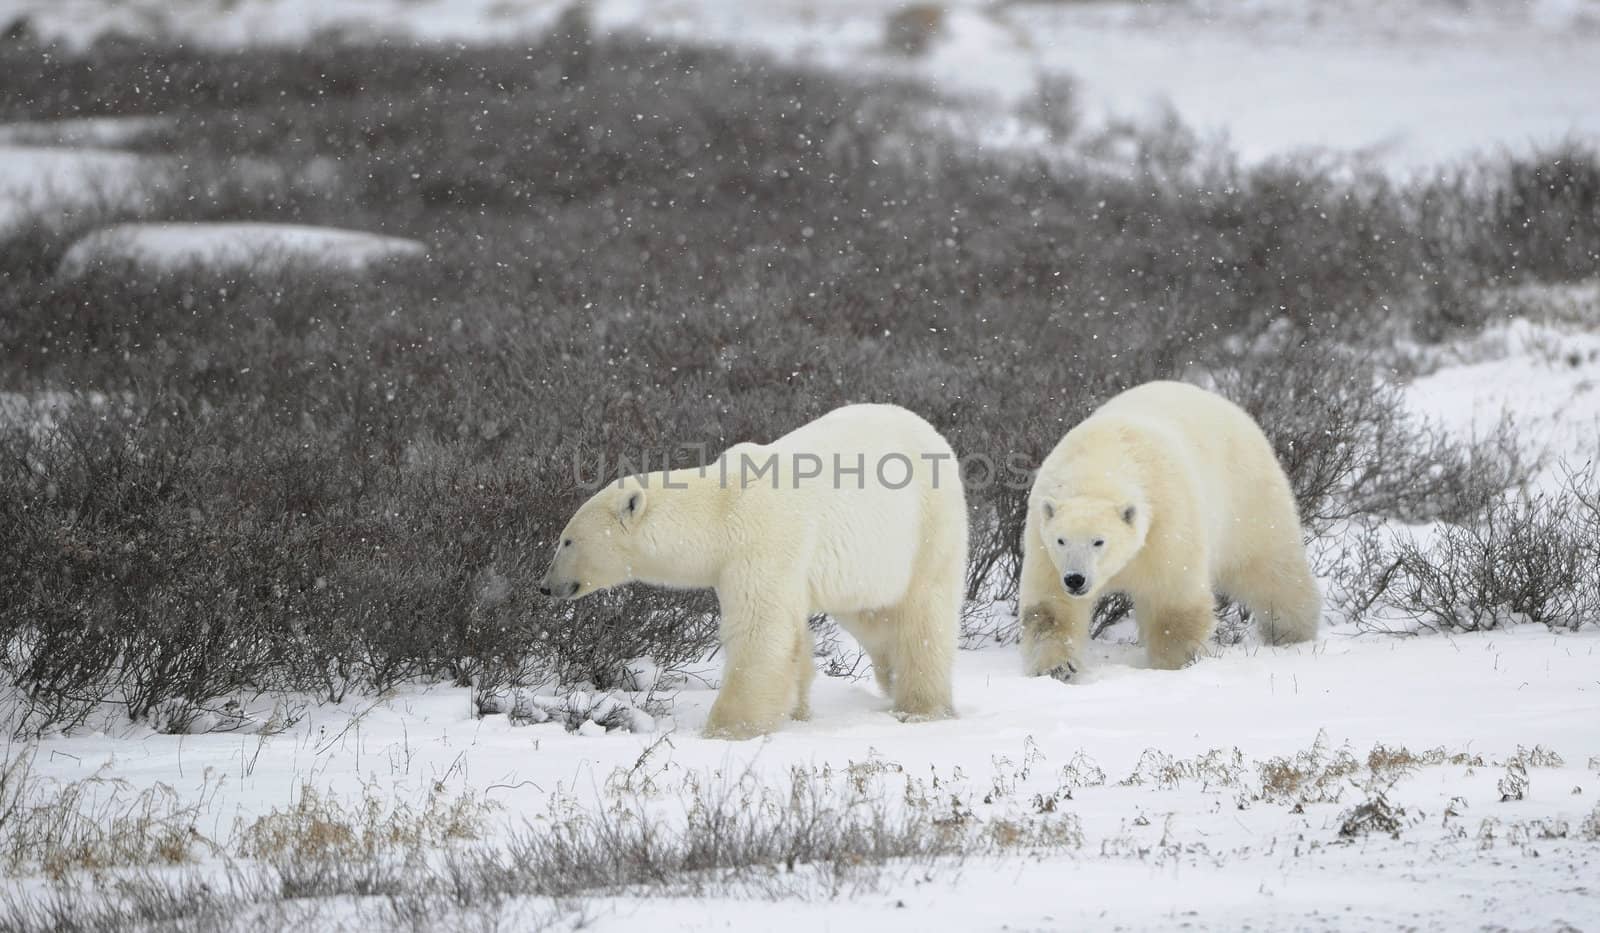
[1351, 447]
[1522, 559]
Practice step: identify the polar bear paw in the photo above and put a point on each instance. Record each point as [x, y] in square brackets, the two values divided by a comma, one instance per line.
[923, 716]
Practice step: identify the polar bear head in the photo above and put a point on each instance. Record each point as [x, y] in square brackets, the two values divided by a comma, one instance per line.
[1090, 539]
[596, 549]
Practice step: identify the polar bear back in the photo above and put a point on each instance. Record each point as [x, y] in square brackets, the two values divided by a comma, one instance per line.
[857, 532]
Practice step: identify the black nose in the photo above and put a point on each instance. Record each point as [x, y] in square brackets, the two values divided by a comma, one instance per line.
[1074, 582]
[544, 590]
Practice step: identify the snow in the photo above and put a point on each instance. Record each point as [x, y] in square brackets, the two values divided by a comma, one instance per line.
[1130, 895]
[1406, 86]
[1405, 92]
[80, 22]
[224, 245]
[48, 181]
[1409, 107]
[1209, 859]
[41, 413]
[1544, 378]
[89, 132]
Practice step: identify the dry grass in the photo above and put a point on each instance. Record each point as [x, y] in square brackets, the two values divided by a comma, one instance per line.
[1387, 761]
[95, 824]
[813, 836]
[1373, 815]
[318, 827]
[440, 863]
[1215, 768]
[1590, 828]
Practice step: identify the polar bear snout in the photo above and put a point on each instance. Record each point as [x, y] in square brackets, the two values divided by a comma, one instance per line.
[1076, 583]
[558, 590]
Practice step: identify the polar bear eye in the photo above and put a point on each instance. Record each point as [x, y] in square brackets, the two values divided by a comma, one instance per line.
[1062, 541]
[1099, 542]
[567, 543]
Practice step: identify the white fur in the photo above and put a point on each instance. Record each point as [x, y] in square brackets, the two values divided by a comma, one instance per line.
[1167, 493]
[888, 564]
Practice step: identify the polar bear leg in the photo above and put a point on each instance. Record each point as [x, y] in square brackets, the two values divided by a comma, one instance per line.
[1282, 596]
[805, 670]
[870, 630]
[1274, 581]
[761, 636]
[1176, 625]
[922, 632]
[1055, 627]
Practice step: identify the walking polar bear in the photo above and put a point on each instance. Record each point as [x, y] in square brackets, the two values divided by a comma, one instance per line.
[859, 514]
[1169, 494]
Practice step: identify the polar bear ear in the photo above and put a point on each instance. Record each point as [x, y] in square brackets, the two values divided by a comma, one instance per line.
[1128, 512]
[1049, 509]
[630, 508]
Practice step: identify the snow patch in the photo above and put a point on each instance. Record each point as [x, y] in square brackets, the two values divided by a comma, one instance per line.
[1406, 89]
[79, 23]
[40, 413]
[38, 181]
[233, 245]
[1543, 378]
[83, 132]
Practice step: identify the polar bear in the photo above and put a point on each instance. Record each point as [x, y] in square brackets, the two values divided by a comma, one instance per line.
[859, 514]
[1169, 494]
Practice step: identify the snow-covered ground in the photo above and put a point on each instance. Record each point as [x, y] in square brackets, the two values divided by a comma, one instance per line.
[85, 132]
[1407, 90]
[1544, 378]
[1408, 86]
[1163, 843]
[234, 245]
[50, 180]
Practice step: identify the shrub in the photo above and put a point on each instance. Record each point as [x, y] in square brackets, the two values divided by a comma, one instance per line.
[149, 566]
[1055, 106]
[1545, 217]
[1350, 447]
[1526, 558]
[911, 29]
